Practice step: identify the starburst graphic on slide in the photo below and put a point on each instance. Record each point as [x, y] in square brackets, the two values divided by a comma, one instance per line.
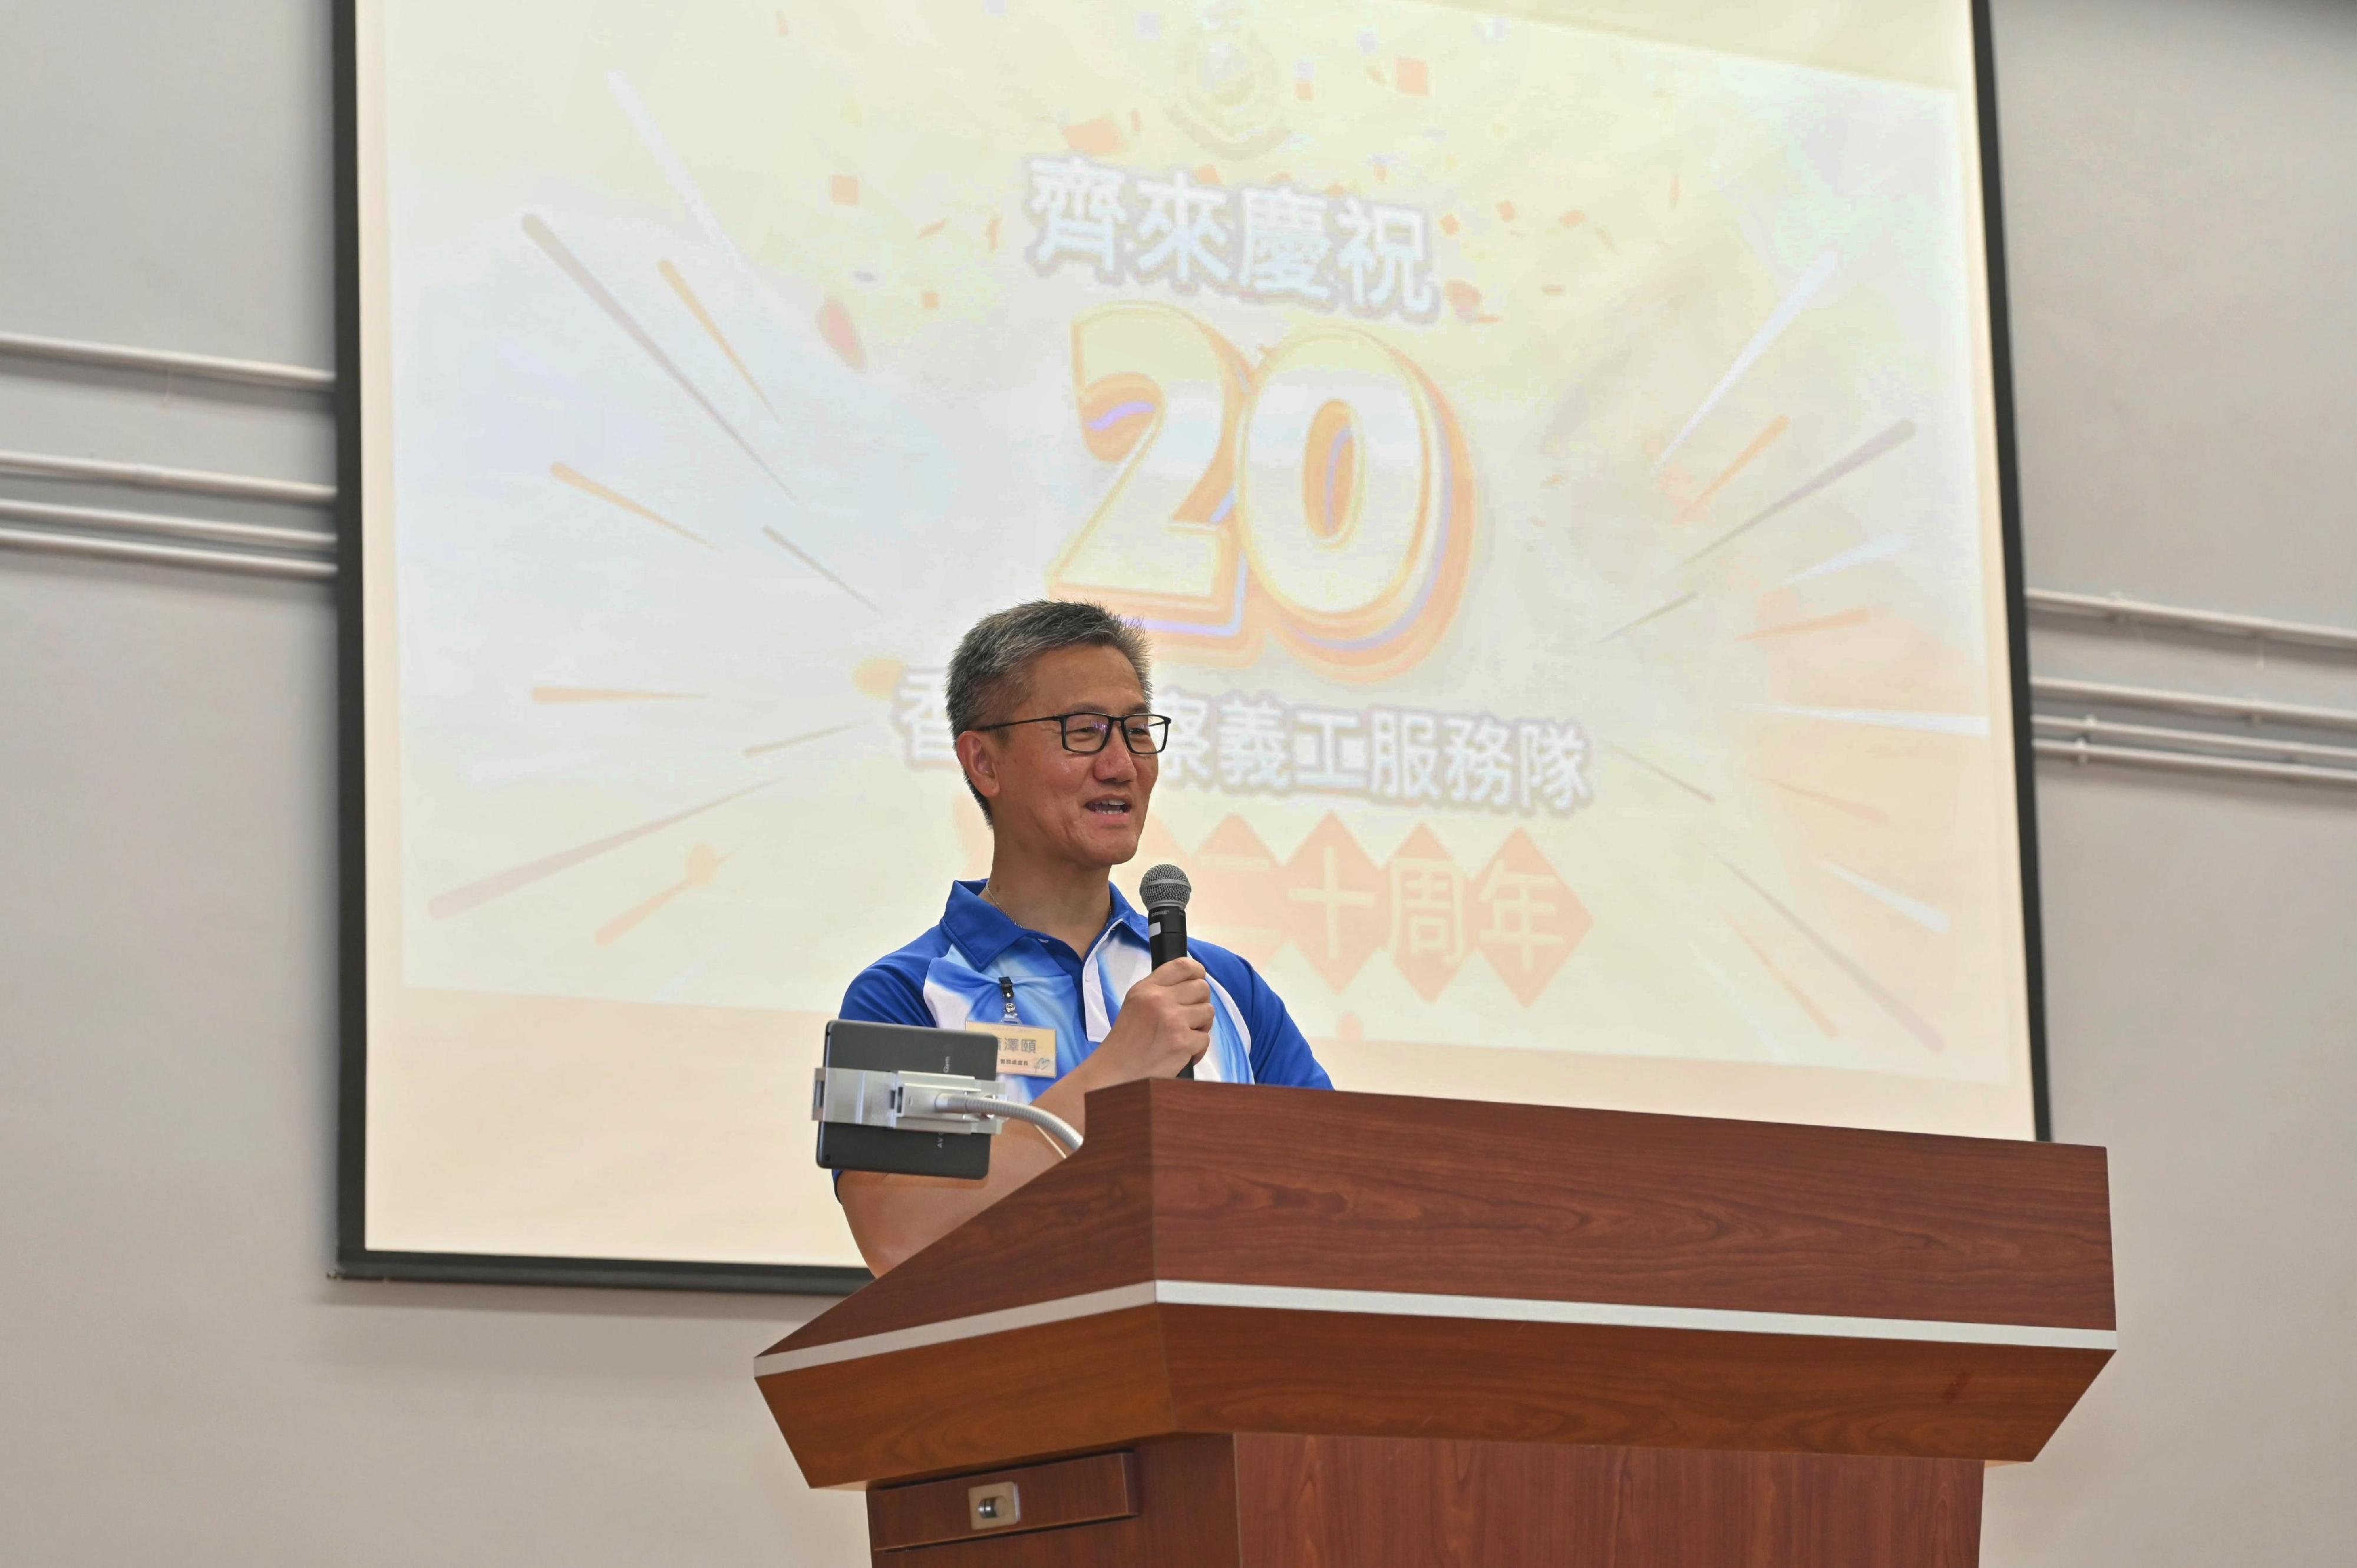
[761, 435]
[1758, 562]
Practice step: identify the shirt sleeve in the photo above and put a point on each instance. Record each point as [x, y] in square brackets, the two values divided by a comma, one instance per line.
[882, 993]
[885, 993]
[1280, 1055]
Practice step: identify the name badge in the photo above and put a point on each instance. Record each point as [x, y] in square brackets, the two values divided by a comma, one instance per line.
[1025, 1050]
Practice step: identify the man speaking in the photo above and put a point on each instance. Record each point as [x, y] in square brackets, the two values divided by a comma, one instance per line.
[1049, 703]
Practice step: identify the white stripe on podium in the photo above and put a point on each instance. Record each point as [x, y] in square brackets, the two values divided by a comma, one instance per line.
[1418, 1303]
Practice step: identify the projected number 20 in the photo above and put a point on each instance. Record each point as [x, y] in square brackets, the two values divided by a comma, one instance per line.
[1325, 496]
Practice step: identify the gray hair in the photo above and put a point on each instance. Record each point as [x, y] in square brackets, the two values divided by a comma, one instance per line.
[988, 673]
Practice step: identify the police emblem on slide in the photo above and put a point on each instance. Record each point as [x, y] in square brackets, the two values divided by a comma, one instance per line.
[1229, 100]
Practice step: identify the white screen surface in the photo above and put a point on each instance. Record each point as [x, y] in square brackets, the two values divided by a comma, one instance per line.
[1555, 462]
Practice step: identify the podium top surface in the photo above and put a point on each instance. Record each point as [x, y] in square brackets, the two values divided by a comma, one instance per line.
[1243, 1191]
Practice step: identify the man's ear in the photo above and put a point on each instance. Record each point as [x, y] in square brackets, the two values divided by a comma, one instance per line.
[980, 760]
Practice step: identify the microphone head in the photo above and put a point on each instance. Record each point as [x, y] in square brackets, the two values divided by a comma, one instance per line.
[1164, 885]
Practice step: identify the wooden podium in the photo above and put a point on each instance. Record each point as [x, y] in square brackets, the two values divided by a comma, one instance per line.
[1247, 1328]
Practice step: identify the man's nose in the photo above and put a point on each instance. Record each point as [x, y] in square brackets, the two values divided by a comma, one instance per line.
[1114, 764]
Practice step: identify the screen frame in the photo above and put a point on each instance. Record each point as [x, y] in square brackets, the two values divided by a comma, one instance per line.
[356, 1260]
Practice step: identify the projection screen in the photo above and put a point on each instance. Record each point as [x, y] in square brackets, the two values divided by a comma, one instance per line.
[1556, 448]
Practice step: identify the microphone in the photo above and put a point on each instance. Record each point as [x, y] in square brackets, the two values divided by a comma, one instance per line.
[1164, 889]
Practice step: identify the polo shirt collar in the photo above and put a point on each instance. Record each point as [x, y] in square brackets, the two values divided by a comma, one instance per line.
[1128, 917]
[982, 930]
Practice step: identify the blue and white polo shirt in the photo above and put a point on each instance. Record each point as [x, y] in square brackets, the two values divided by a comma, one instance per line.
[950, 976]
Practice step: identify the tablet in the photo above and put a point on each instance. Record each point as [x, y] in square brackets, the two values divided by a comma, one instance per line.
[899, 1047]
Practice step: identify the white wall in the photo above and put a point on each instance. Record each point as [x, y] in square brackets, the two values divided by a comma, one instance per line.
[182, 1382]
[2181, 196]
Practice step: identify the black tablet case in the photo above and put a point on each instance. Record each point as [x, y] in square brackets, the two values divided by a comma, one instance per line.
[897, 1048]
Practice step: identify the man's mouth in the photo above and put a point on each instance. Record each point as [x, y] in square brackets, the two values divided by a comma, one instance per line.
[1110, 805]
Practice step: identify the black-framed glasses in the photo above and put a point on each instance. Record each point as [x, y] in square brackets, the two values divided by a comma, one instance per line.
[1088, 734]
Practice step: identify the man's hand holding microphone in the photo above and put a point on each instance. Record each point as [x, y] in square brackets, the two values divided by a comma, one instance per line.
[1166, 1020]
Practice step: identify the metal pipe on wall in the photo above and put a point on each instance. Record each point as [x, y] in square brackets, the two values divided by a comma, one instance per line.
[2186, 762]
[2098, 729]
[2224, 623]
[170, 362]
[148, 476]
[89, 516]
[89, 545]
[2193, 702]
